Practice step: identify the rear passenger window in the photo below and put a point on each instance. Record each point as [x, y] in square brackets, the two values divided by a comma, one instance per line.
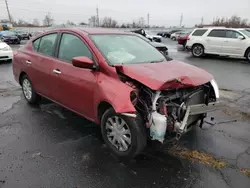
[47, 44]
[217, 33]
[36, 44]
[199, 32]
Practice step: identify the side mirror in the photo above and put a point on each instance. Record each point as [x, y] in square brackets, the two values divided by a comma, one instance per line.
[241, 37]
[83, 62]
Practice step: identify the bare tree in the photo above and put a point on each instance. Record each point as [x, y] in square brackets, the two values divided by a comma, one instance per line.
[48, 20]
[70, 23]
[93, 21]
[109, 22]
[36, 22]
[234, 21]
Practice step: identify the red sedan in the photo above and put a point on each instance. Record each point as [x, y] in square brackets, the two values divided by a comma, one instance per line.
[183, 40]
[117, 80]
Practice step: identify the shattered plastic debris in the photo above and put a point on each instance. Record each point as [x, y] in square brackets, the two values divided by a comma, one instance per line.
[36, 154]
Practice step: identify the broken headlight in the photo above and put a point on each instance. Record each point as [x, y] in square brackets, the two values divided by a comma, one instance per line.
[216, 88]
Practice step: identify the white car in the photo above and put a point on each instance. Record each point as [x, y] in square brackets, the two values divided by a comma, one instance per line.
[5, 51]
[176, 35]
[153, 37]
[220, 41]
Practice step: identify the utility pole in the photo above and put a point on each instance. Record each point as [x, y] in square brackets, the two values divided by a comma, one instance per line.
[97, 16]
[181, 20]
[148, 19]
[7, 8]
[202, 21]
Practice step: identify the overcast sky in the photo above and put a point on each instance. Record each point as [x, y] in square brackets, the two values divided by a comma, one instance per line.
[162, 12]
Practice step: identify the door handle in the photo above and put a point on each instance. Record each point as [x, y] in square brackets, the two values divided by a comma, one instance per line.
[56, 71]
[28, 62]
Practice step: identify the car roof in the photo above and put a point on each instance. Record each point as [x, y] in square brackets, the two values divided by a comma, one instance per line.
[87, 31]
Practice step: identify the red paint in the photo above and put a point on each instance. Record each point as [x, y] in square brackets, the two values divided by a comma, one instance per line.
[166, 75]
[183, 40]
[83, 89]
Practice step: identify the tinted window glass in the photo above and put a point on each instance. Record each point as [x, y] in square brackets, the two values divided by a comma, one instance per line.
[71, 46]
[217, 33]
[199, 32]
[47, 44]
[232, 34]
[36, 44]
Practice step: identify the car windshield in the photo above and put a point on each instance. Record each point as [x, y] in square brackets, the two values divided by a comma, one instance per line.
[126, 49]
[8, 33]
[246, 32]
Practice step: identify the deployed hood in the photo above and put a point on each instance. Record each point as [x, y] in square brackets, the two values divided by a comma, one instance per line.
[166, 75]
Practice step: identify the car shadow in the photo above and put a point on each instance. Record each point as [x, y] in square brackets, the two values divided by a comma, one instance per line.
[221, 58]
[154, 167]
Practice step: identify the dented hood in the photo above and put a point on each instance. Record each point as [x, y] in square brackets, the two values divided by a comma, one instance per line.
[166, 75]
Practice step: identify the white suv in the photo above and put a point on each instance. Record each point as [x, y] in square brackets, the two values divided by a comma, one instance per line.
[220, 41]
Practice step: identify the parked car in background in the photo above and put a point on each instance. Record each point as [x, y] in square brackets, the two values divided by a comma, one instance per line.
[159, 46]
[119, 81]
[163, 34]
[220, 41]
[5, 52]
[9, 37]
[177, 35]
[22, 35]
[182, 40]
[150, 36]
[168, 34]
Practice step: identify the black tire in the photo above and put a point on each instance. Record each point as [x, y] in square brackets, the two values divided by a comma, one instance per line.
[197, 50]
[248, 55]
[35, 98]
[173, 38]
[138, 134]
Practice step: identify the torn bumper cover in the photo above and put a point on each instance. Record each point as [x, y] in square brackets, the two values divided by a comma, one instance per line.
[195, 110]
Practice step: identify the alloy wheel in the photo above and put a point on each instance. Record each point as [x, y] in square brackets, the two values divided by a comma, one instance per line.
[198, 51]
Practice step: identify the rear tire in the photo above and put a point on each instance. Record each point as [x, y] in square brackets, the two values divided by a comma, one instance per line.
[173, 38]
[197, 50]
[29, 94]
[248, 55]
[137, 134]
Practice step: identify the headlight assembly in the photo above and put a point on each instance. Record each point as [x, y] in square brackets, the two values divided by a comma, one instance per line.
[216, 88]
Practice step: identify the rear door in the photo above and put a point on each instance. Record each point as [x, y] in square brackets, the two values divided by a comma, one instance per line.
[74, 86]
[41, 62]
[232, 45]
[214, 41]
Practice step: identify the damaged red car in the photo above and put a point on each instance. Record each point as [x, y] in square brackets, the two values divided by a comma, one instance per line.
[119, 81]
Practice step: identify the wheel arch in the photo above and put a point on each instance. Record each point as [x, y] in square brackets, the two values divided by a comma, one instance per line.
[20, 77]
[245, 54]
[102, 107]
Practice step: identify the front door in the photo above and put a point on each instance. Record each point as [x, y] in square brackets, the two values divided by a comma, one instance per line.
[232, 45]
[214, 41]
[75, 86]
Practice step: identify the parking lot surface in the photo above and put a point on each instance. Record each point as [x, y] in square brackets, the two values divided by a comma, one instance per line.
[49, 146]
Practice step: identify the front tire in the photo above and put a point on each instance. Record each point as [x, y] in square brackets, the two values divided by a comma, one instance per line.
[125, 136]
[174, 38]
[29, 94]
[248, 55]
[197, 50]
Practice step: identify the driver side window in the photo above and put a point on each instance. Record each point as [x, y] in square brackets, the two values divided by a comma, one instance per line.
[71, 46]
[232, 34]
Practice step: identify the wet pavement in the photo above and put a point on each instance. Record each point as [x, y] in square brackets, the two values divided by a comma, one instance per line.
[49, 146]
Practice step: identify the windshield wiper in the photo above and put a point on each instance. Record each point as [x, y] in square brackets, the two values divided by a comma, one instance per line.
[156, 61]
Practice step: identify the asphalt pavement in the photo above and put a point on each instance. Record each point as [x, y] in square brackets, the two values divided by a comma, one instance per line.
[49, 146]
